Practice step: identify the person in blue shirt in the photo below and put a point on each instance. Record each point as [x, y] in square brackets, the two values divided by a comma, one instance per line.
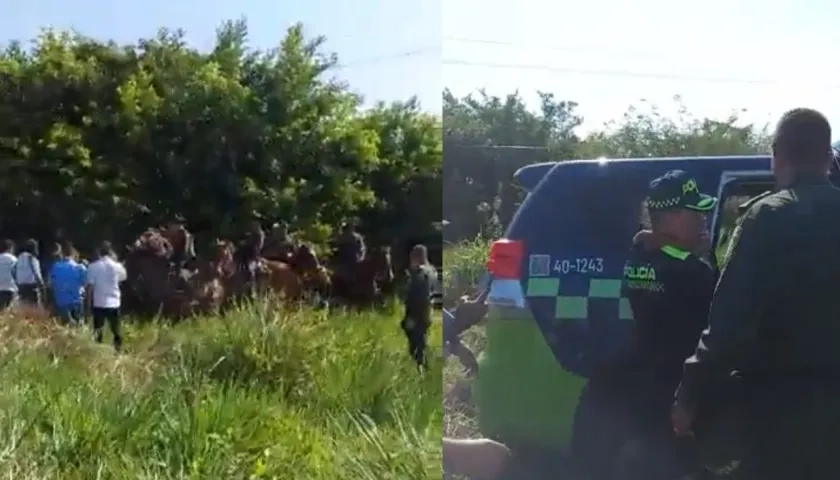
[67, 278]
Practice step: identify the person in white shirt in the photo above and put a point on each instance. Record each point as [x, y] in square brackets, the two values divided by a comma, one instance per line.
[28, 276]
[103, 278]
[8, 286]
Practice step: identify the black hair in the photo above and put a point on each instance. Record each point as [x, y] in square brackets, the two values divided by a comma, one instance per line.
[67, 249]
[7, 246]
[803, 137]
[105, 249]
[420, 253]
[30, 246]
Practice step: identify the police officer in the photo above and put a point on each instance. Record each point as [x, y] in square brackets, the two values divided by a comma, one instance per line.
[669, 286]
[775, 317]
[422, 277]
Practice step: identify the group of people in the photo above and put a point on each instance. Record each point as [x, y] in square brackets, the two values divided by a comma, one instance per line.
[760, 336]
[69, 287]
[278, 244]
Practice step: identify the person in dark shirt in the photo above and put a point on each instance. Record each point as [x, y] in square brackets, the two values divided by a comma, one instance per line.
[349, 251]
[468, 312]
[422, 277]
[775, 316]
[279, 245]
[669, 285]
[350, 245]
[183, 244]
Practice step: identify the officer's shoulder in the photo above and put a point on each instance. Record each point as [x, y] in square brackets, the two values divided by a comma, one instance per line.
[767, 204]
[642, 254]
[742, 208]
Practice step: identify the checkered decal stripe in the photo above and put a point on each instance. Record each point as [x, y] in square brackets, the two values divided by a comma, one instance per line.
[573, 303]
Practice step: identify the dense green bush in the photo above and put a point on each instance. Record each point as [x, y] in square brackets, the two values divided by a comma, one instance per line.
[102, 139]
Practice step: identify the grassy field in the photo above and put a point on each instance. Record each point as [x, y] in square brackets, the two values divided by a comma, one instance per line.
[253, 395]
[463, 266]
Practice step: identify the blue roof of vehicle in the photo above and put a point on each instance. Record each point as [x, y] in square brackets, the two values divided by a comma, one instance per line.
[531, 175]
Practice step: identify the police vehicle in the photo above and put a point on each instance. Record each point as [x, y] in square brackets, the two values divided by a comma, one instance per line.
[555, 308]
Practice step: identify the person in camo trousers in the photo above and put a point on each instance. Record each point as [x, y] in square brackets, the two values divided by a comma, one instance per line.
[422, 277]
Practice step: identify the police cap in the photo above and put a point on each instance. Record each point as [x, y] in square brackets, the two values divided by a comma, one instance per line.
[678, 189]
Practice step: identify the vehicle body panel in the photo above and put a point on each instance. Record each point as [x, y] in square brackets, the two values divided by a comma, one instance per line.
[548, 330]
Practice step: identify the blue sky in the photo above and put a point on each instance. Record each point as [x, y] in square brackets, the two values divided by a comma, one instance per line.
[646, 49]
[371, 36]
[787, 46]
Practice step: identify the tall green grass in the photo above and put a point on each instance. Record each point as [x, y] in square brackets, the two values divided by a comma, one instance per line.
[255, 394]
[463, 265]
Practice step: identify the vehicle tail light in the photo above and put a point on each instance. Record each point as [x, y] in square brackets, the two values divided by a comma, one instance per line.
[505, 259]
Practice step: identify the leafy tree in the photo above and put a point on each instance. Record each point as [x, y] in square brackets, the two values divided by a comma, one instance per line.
[102, 139]
[645, 132]
[478, 173]
[478, 135]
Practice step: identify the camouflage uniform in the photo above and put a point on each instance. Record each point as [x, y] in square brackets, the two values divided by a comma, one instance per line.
[774, 320]
[418, 310]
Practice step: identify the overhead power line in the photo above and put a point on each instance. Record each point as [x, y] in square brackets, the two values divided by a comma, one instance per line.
[498, 147]
[601, 50]
[625, 73]
[388, 58]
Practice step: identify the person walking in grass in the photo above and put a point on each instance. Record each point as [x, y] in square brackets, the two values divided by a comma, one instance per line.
[8, 285]
[28, 274]
[68, 278]
[103, 279]
[418, 304]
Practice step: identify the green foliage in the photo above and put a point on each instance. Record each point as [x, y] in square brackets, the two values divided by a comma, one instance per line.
[254, 395]
[645, 132]
[104, 139]
[479, 132]
[463, 266]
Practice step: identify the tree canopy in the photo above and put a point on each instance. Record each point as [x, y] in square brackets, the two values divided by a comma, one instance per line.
[101, 140]
[487, 138]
